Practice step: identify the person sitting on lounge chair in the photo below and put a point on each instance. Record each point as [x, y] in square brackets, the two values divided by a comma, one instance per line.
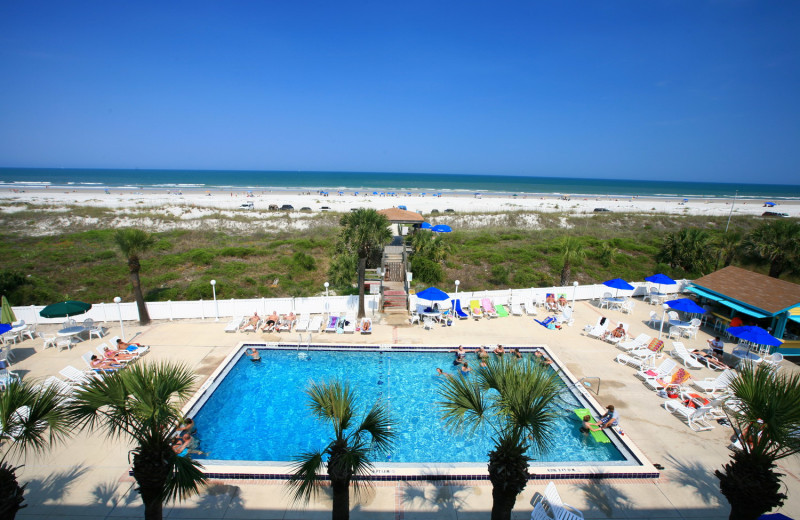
[366, 325]
[272, 320]
[117, 355]
[252, 322]
[619, 332]
[550, 302]
[562, 301]
[710, 358]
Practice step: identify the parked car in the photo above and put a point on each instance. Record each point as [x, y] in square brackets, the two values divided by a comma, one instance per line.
[305, 208]
[601, 210]
[247, 205]
[287, 207]
[774, 214]
[449, 210]
[434, 211]
[325, 208]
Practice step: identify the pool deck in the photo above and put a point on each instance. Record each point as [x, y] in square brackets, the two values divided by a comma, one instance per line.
[87, 477]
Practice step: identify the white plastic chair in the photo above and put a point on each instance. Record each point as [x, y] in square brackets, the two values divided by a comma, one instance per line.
[653, 318]
[675, 332]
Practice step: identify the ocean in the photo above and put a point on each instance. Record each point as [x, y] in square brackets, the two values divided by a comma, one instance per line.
[20, 178]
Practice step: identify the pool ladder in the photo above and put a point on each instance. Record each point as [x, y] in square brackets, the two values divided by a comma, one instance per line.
[306, 356]
[582, 382]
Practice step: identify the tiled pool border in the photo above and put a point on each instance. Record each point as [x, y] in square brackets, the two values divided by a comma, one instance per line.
[638, 468]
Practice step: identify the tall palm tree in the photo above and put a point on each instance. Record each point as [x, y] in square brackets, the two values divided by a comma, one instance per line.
[364, 233]
[516, 399]
[32, 419]
[766, 418]
[572, 252]
[347, 455]
[775, 242]
[727, 245]
[142, 403]
[133, 243]
[687, 249]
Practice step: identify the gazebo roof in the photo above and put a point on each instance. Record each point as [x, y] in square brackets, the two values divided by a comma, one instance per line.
[771, 295]
[401, 216]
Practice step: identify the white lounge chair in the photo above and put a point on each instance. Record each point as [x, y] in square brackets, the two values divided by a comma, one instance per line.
[664, 369]
[598, 330]
[635, 362]
[558, 508]
[366, 326]
[713, 385]
[640, 341]
[530, 307]
[516, 308]
[679, 352]
[75, 376]
[87, 358]
[315, 323]
[332, 323]
[615, 340]
[234, 324]
[708, 360]
[349, 324]
[695, 417]
[302, 324]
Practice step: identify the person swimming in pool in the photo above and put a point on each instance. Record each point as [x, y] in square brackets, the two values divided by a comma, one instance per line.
[465, 370]
[587, 425]
[499, 351]
[253, 354]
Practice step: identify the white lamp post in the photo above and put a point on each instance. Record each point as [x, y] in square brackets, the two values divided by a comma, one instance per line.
[326, 289]
[574, 290]
[664, 315]
[117, 300]
[458, 282]
[214, 292]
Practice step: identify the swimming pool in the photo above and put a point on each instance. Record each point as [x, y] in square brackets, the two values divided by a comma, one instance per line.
[253, 418]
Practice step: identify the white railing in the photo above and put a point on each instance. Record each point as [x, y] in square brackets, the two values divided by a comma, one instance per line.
[204, 309]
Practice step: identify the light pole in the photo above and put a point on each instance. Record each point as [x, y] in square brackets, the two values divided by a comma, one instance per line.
[664, 315]
[458, 282]
[214, 292]
[574, 290]
[117, 300]
[731, 213]
[326, 296]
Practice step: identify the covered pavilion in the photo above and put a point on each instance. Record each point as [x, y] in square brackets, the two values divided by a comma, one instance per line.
[401, 216]
[753, 294]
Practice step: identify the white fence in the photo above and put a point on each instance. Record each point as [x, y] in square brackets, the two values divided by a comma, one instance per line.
[204, 309]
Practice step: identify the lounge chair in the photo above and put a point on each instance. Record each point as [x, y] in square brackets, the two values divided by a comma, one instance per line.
[558, 508]
[709, 360]
[695, 417]
[284, 325]
[252, 328]
[62, 387]
[460, 314]
[234, 324]
[678, 379]
[475, 309]
[638, 363]
[640, 341]
[664, 369]
[530, 307]
[366, 326]
[501, 311]
[315, 323]
[598, 331]
[75, 376]
[679, 352]
[6, 376]
[349, 324]
[302, 324]
[102, 354]
[652, 350]
[516, 308]
[87, 358]
[333, 322]
[713, 385]
[488, 308]
[614, 339]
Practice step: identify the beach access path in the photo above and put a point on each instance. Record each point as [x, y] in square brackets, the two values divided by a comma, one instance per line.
[87, 476]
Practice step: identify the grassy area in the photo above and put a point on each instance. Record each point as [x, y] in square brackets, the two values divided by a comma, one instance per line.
[86, 264]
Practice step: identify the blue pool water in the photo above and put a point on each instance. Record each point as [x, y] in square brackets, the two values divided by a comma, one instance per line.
[259, 411]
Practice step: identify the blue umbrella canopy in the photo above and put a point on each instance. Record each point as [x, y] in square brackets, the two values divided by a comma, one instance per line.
[442, 228]
[754, 334]
[425, 225]
[433, 294]
[769, 204]
[4, 327]
[618, 283]
[685, 305]
[660, 279]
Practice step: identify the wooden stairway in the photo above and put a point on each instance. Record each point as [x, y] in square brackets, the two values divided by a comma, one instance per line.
[395, 296]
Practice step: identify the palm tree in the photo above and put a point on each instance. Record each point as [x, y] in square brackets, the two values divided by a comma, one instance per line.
[142, 403]
[572, 252]
[346, 457]
[33, 419]
[364, 233]
[766, 418]
[775, 242]
[517, 400]
[727, 246]
[133, 243]
[687, 249]
[432, 246]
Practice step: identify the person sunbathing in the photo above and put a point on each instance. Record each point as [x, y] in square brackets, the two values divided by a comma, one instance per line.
[272, 320]
[619, 332]
[550, 302]
[709, 358]
[103, 364]
[562, 301]
[117, 355]
[122, 346]
[252, 322]
[366, 325]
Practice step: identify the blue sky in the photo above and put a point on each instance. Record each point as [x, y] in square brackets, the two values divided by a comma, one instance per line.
[641, 89]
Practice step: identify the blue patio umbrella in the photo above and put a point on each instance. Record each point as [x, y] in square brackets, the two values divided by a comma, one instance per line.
[432, 294]
[442, 228]
[660, 279]
[769, 204]
[754, 334]
[685, 305]
[618, 283]
[425, 225]
[4, 327]
[685, 200]
[774, 516]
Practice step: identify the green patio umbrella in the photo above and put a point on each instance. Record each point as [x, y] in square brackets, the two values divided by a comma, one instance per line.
[7, 313]
[65, 309]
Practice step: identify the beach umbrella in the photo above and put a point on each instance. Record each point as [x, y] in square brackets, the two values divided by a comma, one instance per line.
[685, 200]
[425, 225]
[660, 279]
[685, 305]
[618, 283]
[374, 192]
[769, 204]
[432, 294]
[4, 327]
[754, 334]
[7, 313]
[442, 228]
[65, 309]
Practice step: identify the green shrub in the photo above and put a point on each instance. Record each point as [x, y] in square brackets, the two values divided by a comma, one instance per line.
[426, 271]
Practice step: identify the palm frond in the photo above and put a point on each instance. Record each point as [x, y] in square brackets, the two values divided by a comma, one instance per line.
[303, 481]
[185, 478]
[464, 405]
[379, 426]
[332, 402]
[34, 417]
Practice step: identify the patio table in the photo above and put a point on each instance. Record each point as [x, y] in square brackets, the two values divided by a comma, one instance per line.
[71, 331]
[742, 354]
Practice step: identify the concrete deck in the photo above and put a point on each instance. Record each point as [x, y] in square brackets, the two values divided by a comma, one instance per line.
[87, 477]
